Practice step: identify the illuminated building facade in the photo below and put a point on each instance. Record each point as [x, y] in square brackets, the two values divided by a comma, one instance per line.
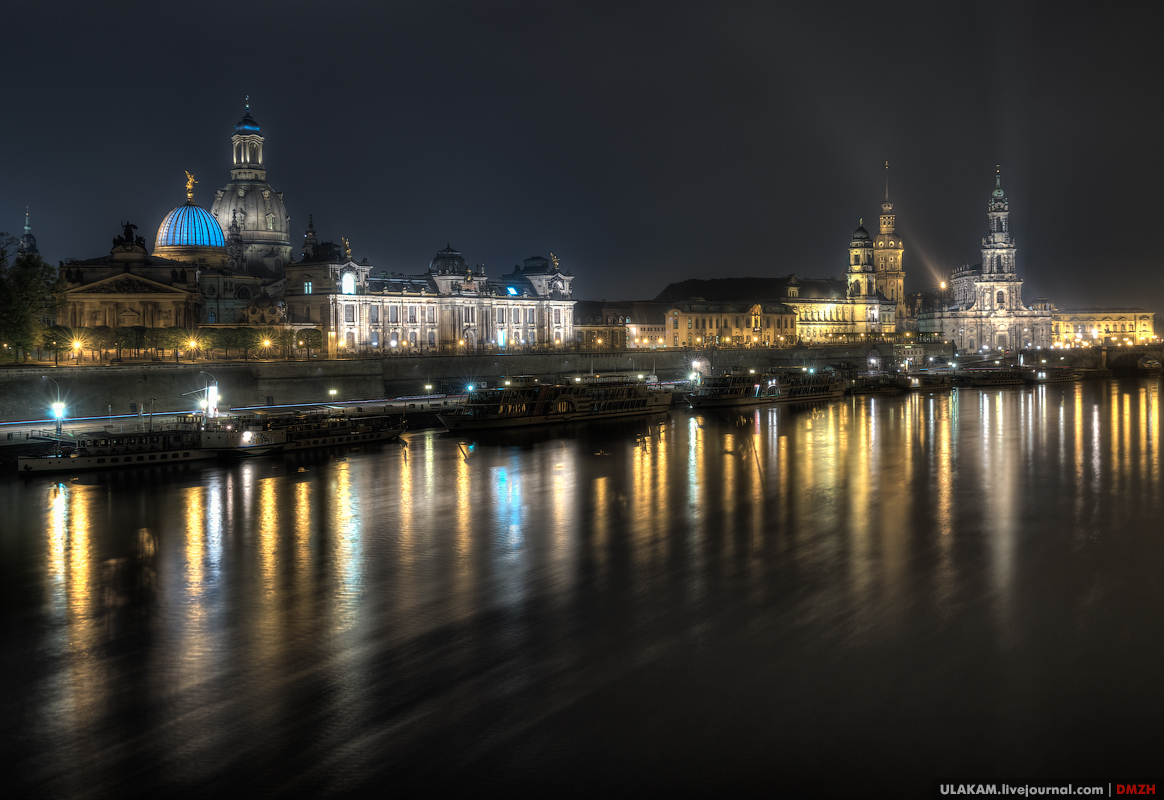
[1076, 326]
[624, 325]
[986, 311]
[450, 308]
[706, 324]
[130, 288]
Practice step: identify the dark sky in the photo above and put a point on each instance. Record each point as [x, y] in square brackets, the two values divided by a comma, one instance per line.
[643, 143]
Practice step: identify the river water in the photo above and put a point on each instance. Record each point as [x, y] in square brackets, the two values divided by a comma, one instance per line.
[876, 592]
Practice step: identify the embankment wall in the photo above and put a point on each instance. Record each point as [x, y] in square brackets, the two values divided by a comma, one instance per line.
[91, 391]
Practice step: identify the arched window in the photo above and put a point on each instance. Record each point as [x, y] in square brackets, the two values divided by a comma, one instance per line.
[243, 293]
[1001, 298]
[212, 318]
[348, 284]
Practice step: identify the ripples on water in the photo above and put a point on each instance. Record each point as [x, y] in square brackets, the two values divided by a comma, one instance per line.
[963, 586]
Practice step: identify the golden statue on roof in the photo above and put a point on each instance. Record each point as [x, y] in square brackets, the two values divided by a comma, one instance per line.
[347, 248]
[554, 258]
[190, 186]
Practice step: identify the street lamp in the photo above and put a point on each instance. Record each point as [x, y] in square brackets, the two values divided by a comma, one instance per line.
[58, 406]
[331, 392]
[211, 395]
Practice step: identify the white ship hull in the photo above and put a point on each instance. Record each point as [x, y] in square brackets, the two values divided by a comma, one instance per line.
[73, 462]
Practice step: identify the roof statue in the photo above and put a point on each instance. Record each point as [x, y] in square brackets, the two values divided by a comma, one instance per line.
[347, 248]
[554, 258]
[189, 186]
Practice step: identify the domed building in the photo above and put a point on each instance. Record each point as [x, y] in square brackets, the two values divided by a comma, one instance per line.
[189, 234]
[249, 202]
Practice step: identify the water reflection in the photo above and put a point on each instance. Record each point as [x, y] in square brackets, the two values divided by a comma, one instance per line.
[399, 598]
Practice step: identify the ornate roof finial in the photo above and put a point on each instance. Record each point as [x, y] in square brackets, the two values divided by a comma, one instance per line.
[190, 186]
[248, 102]
[887, 179]
[998, 176]
[27, 224]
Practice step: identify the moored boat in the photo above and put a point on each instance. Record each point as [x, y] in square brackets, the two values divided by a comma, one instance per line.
[1050, 375]
[925, 382]
[994, 377]
[334, 427]
[875, 384]
[735, 387]
[524, 401]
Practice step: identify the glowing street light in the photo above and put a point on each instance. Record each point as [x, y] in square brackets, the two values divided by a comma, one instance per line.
[58, 406]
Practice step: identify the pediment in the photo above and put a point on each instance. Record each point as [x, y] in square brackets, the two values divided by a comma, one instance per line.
[126, 283]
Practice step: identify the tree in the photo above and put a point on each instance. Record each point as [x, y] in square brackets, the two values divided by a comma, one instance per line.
[103, 338]
[124, 339]
[52, 339]
[245, 339]
[152, 338]
[286, 340]
[28, 293]
[173, 339]
[312, 339]
[140, 332]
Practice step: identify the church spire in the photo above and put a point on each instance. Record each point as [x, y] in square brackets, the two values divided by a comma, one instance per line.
[887, 179]
[27, 242]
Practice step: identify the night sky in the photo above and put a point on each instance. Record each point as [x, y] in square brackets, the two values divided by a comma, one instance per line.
[643, 143]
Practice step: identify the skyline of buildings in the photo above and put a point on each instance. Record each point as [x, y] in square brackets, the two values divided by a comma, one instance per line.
[239, 259]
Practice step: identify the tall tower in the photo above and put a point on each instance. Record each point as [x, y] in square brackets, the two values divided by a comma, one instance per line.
[862, 282]
[888, 253]
[998, 248]
[250, 202]
[27, 241]
[999, 288]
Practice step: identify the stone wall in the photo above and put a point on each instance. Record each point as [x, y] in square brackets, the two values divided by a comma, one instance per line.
[95, 390]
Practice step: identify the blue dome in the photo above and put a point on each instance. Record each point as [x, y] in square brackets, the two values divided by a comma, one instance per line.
[189, 226]
[247, 124]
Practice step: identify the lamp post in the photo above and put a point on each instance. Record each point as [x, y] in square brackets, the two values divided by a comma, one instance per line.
[211, 395]
[58, 407]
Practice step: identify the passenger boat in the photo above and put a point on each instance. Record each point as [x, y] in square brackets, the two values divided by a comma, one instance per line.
[188, 438]
[926, 382]
[873, 384]
[332, 427]
[735, 387]
[802, 387]
[525, 401]
[1052, 375]
[995, 377]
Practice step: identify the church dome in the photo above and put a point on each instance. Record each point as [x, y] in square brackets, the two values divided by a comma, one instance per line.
[861, 235]
[448, 261]
[189, 226]
[247, 124]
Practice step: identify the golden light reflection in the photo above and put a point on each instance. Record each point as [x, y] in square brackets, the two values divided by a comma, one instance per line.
[346, 528]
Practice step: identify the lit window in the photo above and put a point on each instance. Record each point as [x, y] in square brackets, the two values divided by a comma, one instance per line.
[349, 284]
[307, 287]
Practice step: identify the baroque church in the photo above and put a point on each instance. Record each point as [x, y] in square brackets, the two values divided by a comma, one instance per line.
[985, 310]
